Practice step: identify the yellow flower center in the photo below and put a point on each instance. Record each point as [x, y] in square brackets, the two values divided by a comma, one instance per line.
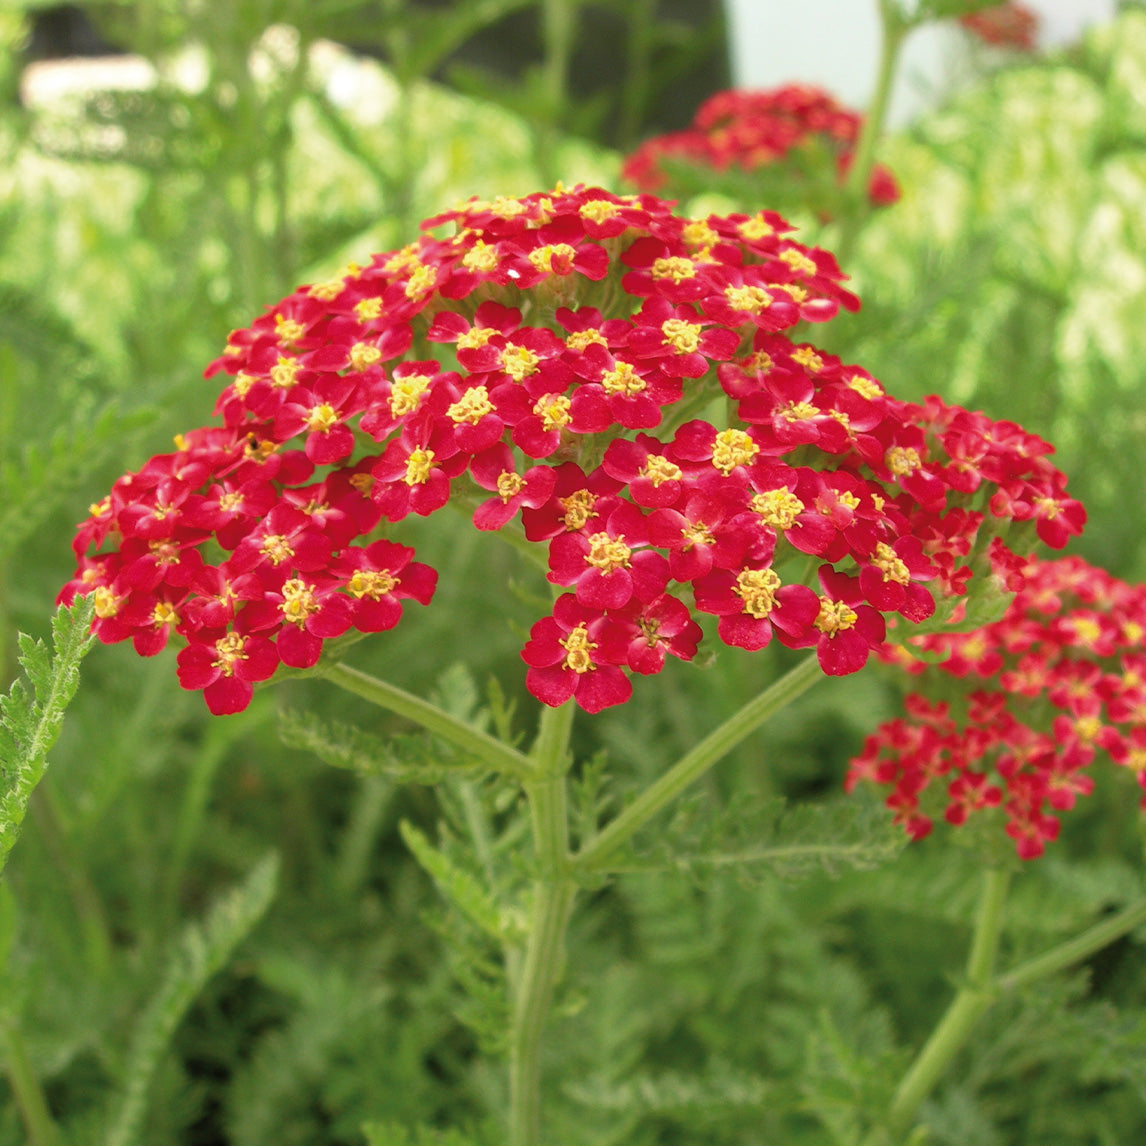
[476, 337]
[697, 233]
[519, 362]
[322, 419]
[800, 412]
[659, 469]
[368, 308]
[298, 601]
[622, 379]
[757, 589]
[542, 258]
[683, 337]
[406, 393]
[834, 617]
[230, 650]
[578, 650]
[106, 602]
[755, 229]
[482, 257]
[867, 388]
[598, 210]
[276, 548]
[752, 299]
[284, 373]
[676, 268]
[230, 501]
[697, 534]
[553, 410]
[164, 614]
[798, 261]
[372, 583]
[808, 358]
[418, 466]
[733, 448]
[580, 339]
[362, 354]
[902, 460]
[607, 553]
[472, 406]
[777, 508]
[422, 281]
[509, 485]
[890, 564]
[578, 508]
[287, 329]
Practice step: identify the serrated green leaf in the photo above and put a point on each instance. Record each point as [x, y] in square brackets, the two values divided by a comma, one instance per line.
[32, 713]
[203, 949]
[459, 886]
[406, 759]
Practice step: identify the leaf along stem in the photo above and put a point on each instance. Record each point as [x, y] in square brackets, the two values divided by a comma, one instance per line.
[498, 755]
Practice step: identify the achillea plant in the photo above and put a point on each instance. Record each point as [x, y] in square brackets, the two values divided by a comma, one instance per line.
[1059, 680]
[798, 129]
[1010, 25]
[566, 327]
[622, 391]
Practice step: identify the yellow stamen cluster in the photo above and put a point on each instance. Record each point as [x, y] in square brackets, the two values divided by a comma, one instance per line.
[733, 448]
[509, 485]
[580, 339]
[756, 228]
[683, 337]
[578, 508]
[164, 614]
[890, 564]
[623, 379]
[553, 410]
[299, 603]
[372, 583]
[902, 460]
[476, 337]
[757, 589]
[835, 617]
[322, 419]
[800, 412]
[421, 282]
[362, 354]
[107, 604]
[481, 257]
[287, 329]
[230, 651]
[519, 362]
[698, 233]
[674, 267]
[867, 388]
[659, 469]
[284, 373]
[406, 393]
[808, 358]
[276, 548]
[542, 258]
[607, 553]
[418, 466]
[367, 309]
[578, 650]
[777, 508]
[598, 210]
[798, 261]
[752, 299]
[472, 406]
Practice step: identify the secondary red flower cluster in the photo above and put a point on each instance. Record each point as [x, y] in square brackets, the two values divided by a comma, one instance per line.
[797, 125]
[1010, 25]
[515, 366]
[1061, 676]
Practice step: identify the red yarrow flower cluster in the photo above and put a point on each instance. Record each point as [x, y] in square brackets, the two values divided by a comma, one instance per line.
[1059, 680]
[543, 361]
[1009, 25]
[796, 126]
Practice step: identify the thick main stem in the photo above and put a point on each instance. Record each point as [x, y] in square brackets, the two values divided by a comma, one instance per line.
[553, 893]
[690, 767]
[973, 998]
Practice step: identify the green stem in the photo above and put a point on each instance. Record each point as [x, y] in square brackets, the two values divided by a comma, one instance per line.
[893, 31]
[499, 756]
[973, 998]
[553, 894]
[689, 768]
[1074, 950]
[26, 1088]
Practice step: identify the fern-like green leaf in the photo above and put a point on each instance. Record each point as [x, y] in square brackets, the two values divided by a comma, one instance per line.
[406, 759]
[460, 887]
[33, 711]
[202, 950]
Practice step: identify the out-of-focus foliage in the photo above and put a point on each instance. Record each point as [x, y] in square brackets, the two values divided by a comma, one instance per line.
[137, 228]
[1012, 276]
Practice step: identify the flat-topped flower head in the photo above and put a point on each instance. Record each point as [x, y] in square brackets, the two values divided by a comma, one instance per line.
[1019, 710]
[797, 130]
[543, 367]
